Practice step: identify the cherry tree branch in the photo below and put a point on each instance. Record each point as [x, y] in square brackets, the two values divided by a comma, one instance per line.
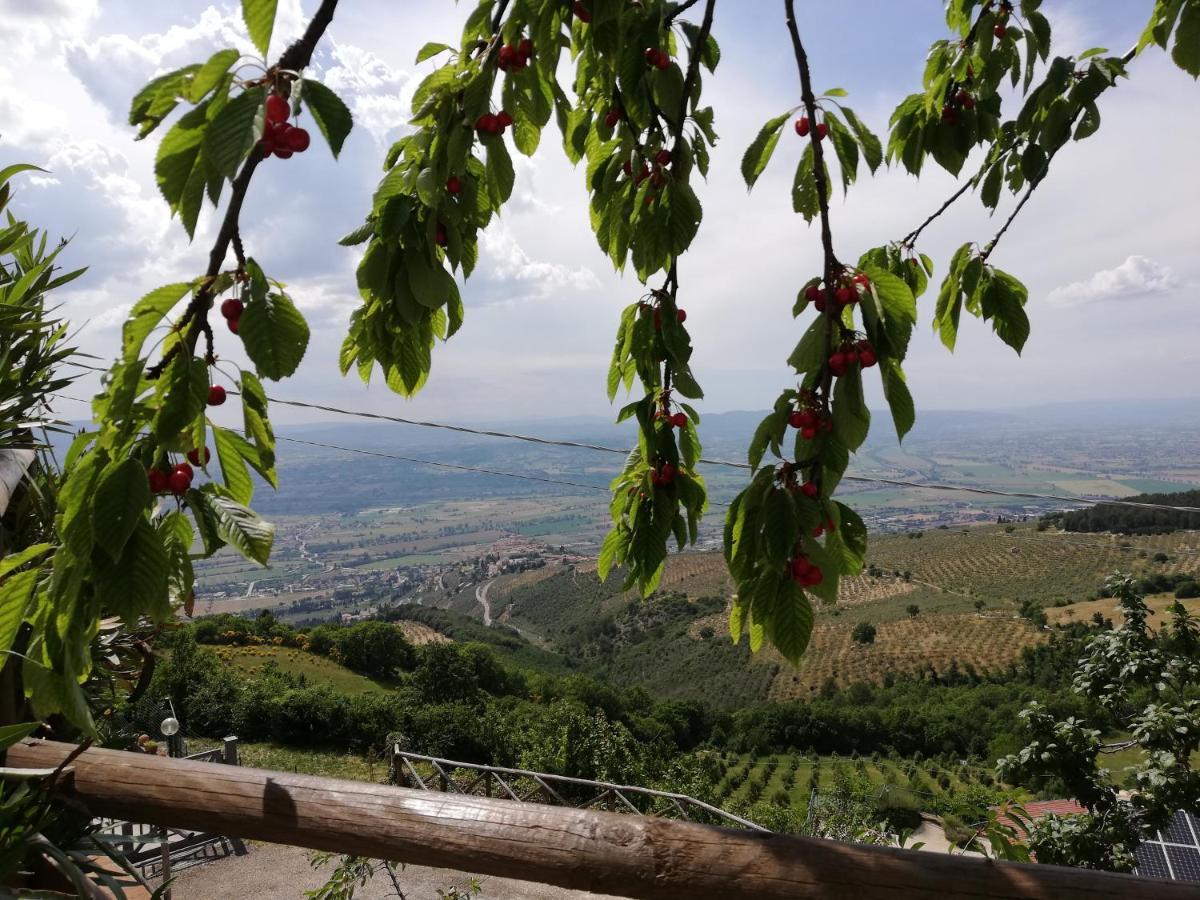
[832, 266]
[195, 318]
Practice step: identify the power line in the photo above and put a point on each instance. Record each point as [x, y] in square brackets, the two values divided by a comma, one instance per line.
[864, 479]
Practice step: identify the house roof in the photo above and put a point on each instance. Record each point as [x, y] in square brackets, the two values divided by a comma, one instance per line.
[1040, 808]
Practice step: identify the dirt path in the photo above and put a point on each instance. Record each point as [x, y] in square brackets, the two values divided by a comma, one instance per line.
[481, 593]
[275, 872]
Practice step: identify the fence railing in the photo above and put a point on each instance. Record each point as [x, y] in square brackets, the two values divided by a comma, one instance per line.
[524, 786]
[622, 855]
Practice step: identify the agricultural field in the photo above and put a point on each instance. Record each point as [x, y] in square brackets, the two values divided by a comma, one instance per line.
[1110, 608]
[317, 669]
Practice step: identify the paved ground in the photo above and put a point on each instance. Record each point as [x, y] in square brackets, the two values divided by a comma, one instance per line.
[283, 873]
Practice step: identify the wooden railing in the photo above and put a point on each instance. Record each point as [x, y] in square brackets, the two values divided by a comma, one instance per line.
[607, 853]
[524, 786]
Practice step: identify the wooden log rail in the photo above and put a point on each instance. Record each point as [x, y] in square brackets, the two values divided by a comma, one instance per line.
[607, 853]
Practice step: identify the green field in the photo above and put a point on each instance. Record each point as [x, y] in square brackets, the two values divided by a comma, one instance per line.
[316, 669]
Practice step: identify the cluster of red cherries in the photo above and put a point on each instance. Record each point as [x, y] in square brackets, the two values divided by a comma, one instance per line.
[515, 57]
[232, 310]
[962, 99]
[809, 421]
[849, 355]
[493, 123]
[804, 572]
[680, 314]
[654, 172]
[803, 126]
[845, 294]
[660, 59]
[179, 479]
[1001, 29]
[279, 136]
[673, 420]
[664, 475]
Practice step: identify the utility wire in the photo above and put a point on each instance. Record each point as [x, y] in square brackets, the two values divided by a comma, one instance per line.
[863, 479]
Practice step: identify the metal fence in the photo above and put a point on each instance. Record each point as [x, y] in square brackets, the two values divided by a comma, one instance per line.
[523, 786]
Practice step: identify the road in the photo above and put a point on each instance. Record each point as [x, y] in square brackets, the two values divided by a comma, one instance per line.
[481, 593]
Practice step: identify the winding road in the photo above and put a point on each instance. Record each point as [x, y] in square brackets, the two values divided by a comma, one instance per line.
[481, 595]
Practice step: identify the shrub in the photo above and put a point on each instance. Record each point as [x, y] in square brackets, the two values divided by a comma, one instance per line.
[863, 633]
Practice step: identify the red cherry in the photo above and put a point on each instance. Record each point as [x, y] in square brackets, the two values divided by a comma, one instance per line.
[812, 293]
[185, 470]
[663, 157]
[808, 419]
[861, 278]
[657, 321]
[1000, 31]
[582, 13]
[851, 358]
[179, 483]
[968, 102]
[822, 130]
[283, 153]
[949, 115]
[813, 577]
[651, 55]
[681, 315]
[487, 124]
[297, 140]
[818, 530]
[216, 395]
[802, 126]
[193, 456]
[668, 473]
[503, 119]
[808, 433]
[439, 236]
[232, 308]
[845, 295]
[796, 419]
[506, 57]
[453, 185]
[810, 489]
[679, 420]
[233, 324]
[663, 60]
[267, 145]
[643, 174]
[655, 478]
[819, 303]
[612, 117]
[278, 109]
[157, 479]
[525, 48]
[866, 355]
[800, 568]
[838, 364]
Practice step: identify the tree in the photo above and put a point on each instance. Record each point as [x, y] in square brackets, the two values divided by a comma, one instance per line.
[913, 610]
[1142, 684]
[376, 649]
[863, 633]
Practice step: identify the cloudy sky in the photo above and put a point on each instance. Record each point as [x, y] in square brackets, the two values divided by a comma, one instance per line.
[1107, 245]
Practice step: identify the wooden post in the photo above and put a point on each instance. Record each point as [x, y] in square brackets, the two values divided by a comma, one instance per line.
[229, 751]
[624, 855]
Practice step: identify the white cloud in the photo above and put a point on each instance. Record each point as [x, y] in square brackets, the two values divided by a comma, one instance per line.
[1136, 277]
[505, 260]
[379, 96]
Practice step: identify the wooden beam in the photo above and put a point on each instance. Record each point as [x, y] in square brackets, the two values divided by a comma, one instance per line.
[607, 853]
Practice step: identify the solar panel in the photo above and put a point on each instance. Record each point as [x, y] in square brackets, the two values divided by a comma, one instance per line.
[1172, 853]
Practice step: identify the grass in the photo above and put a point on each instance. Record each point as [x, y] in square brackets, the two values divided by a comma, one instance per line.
[354, 766]
[316, 669]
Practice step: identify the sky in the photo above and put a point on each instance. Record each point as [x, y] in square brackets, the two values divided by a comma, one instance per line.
[1107, 245]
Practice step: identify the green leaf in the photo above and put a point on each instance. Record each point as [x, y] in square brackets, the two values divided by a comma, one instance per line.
[147, 313]
[1186, 51]
[122, 497]
[14, 598]
[231, 133]
[845, 148]
[805, 199]
[183, 393]
[1003, 302]
[136, 585]
[233, 465]
[899, 399]
[430, 50]
[275, 335]
[14, 561]
[791, 622]
[758, 154]
[810, 354]
[240, 527]
[500, 175]
[259, 16]
[10, 734]
[871, 148]
[779, 525]
[332, 116]
[210, 74]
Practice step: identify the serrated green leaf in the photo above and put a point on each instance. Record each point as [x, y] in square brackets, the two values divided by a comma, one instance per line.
[122, 496]
[332, 116]
[275, 335]
[147, 313]
[183, 393]
[135, 585]
[231, 133]
[791, 622]
[210, 74]
[259, 16]
[779, 526]
[500, 175]
[871, 148]
[241, 528]
[430, 50]
[233, 465]
[899, 399]
[14, 598]
[1186, 51]
[758, 154]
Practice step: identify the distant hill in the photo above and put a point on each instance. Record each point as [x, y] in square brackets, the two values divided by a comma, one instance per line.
[1131, 520]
